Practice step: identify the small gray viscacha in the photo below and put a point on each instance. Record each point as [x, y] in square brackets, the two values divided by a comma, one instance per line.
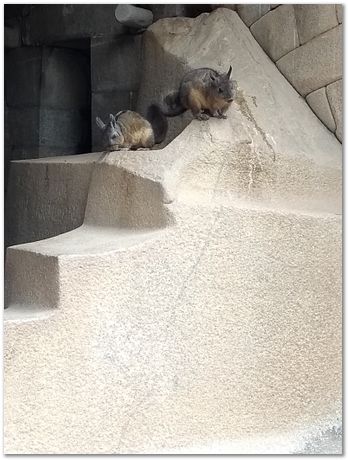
[205, 92]
[129, 130]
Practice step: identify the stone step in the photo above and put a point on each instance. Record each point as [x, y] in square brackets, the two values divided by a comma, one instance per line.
[226, 306]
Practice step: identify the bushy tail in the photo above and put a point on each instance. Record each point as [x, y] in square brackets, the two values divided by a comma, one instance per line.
[172, 106]
[158, 122]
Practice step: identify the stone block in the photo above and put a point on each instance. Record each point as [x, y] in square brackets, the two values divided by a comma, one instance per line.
[22, 126]
[276, 31]
[109, 102]
[115, 63]
[313, 20]
[23, 76]
[46, 198]
[63, 128]
[46, 151]
[168, 10]
[51, 23]
[315, 64]
[24, 152]
[7, 136]
[13, 11]
[339, 13]
[251, 13]
[12, 37]
[65, 79]
[321, 107]
[335, 96]
[229, 6]
[133, 16]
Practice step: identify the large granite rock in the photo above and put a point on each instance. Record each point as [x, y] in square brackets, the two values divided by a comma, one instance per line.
[198, 307]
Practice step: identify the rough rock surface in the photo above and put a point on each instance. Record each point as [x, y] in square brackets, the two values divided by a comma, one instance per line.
[198, 307]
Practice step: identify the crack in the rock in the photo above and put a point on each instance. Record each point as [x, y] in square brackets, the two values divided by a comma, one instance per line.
[245, 109]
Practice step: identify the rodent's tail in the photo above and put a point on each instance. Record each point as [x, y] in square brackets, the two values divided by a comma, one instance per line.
[172, 106]
[158, 122]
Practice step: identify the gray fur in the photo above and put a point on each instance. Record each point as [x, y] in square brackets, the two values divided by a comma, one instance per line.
[201, 91]
[129, 130]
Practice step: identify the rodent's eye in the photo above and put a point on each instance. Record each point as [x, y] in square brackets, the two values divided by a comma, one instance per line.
[220, 90]
[113, 136]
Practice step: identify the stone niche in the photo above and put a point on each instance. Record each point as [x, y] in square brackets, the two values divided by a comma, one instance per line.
[65, 65]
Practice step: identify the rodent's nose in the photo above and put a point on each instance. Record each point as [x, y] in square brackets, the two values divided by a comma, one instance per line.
[229, 100]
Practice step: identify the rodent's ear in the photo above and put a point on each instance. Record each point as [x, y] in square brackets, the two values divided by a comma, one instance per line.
[229, 72]
[100, 123]
[118, 129]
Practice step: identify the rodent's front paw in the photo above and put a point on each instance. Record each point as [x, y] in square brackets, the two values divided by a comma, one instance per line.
[202, 116]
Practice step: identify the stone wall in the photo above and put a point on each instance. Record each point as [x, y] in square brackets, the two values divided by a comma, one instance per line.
[46, 102]
[54, 23]
[65, 65]
[48, 77]
[115, 77]
[305, 42]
